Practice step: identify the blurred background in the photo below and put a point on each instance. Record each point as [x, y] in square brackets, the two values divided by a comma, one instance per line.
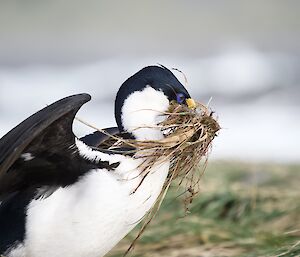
[242, 54]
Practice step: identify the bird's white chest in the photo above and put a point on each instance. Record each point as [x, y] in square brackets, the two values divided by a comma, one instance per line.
[88, 218]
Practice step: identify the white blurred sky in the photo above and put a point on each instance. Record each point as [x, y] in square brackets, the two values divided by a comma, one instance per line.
[68, 31]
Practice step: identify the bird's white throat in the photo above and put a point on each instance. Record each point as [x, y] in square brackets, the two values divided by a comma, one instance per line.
[142, 111]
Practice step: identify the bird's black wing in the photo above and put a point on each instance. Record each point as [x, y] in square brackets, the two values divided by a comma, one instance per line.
[97, 138]
[104, 142]
[41, 150]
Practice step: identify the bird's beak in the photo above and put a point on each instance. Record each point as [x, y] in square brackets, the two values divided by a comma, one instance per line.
[191, 103]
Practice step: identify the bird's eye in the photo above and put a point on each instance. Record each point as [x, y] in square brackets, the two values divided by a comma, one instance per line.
[180, 98]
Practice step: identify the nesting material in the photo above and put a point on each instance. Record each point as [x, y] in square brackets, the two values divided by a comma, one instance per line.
[188, 137]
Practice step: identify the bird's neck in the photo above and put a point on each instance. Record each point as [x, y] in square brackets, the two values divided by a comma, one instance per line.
[141, 113]
[144, 127]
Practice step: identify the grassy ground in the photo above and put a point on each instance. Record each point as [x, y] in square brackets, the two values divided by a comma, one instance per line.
[242, 210]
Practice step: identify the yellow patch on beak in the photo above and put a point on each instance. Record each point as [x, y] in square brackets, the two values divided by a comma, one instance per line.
[191, 103]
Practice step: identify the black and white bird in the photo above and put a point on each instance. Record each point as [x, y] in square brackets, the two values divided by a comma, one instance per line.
[62, 196]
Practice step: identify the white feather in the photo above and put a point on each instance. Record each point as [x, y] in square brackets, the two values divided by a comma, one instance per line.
[17, 251]
[142, 110]
[88, 153]
[27, 157]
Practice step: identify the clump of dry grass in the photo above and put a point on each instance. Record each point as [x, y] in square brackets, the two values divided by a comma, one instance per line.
[188, 137]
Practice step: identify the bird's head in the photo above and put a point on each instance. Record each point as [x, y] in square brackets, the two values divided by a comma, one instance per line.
[144, 97]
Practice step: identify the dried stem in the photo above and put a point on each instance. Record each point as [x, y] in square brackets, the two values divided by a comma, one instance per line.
[188, 137]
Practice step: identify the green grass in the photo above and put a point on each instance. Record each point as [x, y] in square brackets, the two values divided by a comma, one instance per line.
[241, 210]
